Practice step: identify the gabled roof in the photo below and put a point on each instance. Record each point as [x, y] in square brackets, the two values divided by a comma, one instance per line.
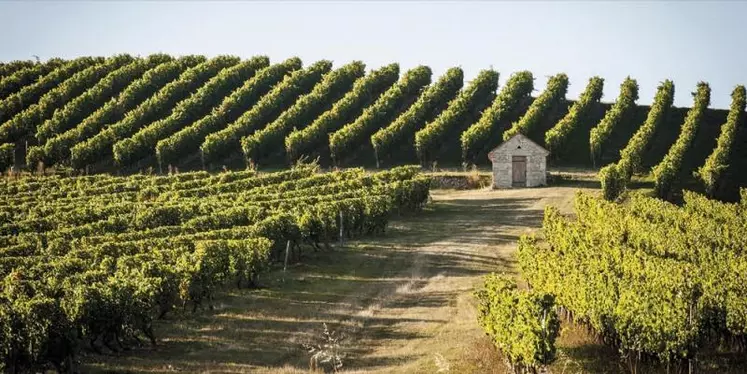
[521, 138]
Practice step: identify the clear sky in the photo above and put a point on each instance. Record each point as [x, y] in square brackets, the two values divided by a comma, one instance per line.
[651, 41]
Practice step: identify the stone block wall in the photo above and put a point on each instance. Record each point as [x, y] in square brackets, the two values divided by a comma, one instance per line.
[519, 146]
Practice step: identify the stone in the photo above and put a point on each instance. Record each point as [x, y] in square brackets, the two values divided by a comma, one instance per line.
[503, 159]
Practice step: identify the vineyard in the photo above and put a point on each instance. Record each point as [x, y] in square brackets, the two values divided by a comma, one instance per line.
[126, 113]
[140, 191]
[90, 262]
[664, 285]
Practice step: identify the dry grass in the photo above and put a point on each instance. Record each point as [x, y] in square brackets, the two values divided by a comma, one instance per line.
[404, 301]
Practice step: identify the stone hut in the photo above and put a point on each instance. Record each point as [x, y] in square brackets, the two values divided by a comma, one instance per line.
[519, 162]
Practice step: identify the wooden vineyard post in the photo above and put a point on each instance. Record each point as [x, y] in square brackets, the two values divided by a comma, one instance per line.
[342, 229]
[287, 252]
[690, 360]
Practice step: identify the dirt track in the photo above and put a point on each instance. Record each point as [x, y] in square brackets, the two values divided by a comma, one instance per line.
[403, 301]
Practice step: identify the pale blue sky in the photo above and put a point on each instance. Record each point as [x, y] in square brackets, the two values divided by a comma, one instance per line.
[650, 41]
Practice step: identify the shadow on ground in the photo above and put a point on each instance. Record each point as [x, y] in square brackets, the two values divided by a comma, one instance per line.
[264, 329]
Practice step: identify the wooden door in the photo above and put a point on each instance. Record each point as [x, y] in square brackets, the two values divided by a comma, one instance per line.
[519, 171]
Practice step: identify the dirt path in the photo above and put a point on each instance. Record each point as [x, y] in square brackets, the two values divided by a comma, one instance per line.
[403, 301]
[466, 235]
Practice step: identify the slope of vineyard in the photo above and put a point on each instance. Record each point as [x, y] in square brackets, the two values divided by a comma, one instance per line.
[25, 76]
[211, 214]
[268, 141]
[667, 173]
[124, 114]
[437, 139]
[227, 141]
[172, 149]
[345, 143]
[313, 141]
[394, 142]
[104, 257]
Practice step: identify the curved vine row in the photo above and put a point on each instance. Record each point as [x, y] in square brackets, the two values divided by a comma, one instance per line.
[555, 92]
[623, 106]
[224, 142]
[188, 140]
[308, 107]
[142, 143]
[667, 171]
[429, 139]
[556, 137]
[434, 100]
[710, 174]
[308, 141]
[476, 139]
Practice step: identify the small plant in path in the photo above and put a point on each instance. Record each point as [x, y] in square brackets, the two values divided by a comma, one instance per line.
[326, 353]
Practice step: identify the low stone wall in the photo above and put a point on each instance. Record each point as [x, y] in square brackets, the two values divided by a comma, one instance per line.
[460, 181]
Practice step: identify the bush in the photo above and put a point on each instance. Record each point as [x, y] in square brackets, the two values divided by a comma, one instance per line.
[522, 324]
[613, 184]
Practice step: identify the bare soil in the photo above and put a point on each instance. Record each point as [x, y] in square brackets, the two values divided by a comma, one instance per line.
[403, 301]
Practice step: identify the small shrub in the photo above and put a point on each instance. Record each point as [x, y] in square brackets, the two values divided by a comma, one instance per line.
[474, 180]
[613, 184]
[522, 324]
[326, 353]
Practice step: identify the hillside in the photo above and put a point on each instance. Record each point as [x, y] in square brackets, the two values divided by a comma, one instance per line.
[125, 113]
